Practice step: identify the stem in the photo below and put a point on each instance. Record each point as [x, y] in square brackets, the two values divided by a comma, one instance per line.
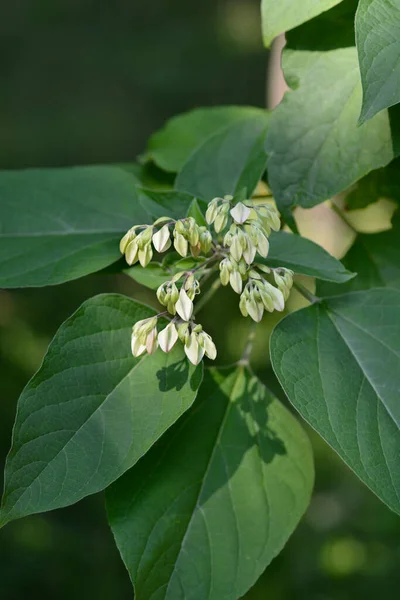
[207, 296]
[245, 359]
[339, 212]
[305, 292]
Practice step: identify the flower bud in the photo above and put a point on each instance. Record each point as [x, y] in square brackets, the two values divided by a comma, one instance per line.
[205, 341]
[131, 252]
[161, 239]
[128, 237]
[145, 255]
[180, 244]
[183, 332]
[184, 306]
[236, 281]
[193, 350]
[220, 222]
[193, 232]
[250, 252]
[211, 212]
[144, 238]
[240, 213]
[225, 268]
[254, 308]
[168, 337]
[205, 240]
[151, 341]
[276, 296]
[137, 347]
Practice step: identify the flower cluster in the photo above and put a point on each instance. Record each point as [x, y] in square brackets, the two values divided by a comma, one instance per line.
[241, 233]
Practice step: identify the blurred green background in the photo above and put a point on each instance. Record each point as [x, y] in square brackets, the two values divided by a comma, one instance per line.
[85, 81]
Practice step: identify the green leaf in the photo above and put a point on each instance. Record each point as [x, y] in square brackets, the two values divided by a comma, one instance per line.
[227, 162]
[280, 16]
[376, 259]
[196, 212]
[157, 273]
[60, 224]
[206, 511]
[316, 148]
[92, 410]
[331, 29]
[165, 203]
[305, 257]
[170, 147]
[338, 362]
[381, 183]
[378, 44]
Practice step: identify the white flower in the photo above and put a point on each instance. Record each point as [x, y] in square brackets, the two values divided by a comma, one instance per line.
[131, 252]
[240, 213]
[137, 347]
[161, 239]
[168, 337]
[206, 342]
[236, 281]
[193, 350]
[184, 306]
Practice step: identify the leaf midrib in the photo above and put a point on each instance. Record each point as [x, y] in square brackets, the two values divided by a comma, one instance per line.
[204, 479]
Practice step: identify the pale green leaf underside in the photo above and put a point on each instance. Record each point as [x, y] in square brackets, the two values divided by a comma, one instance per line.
[60, 224]
[279, 16]
[170, 147]
[92, 410]
[305, 257]
[315, 146]
[207, 509]
[232, 159]
[339, 364]
[378, 44]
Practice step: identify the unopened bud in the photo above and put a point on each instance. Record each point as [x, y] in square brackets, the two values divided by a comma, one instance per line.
[180, 244]
[168, 337]
[211, 212]
[240, 213]
[205, 341]
[145, 255]
[193, 350]
[236, 281]
[161, 239]
[184, 306]
[131, 252]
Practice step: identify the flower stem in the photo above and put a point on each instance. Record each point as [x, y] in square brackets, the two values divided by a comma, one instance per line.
[207, 296]
[245, 358]
[305, 292]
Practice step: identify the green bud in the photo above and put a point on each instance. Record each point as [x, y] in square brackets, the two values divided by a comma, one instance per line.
[205, 240]
[211, 212]
[183, 332]
[220, 222]
[180, 244]
[145, 255]
[131, 252]
[128, 237]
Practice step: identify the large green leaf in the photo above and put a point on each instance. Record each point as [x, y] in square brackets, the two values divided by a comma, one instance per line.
[60, 224]
[206, 511]
[339, 363]
[92, 410]
[170, 147]
[316, 148]
[305, 257]
[279, 16]
[376, 259]
[165, 203]
[227, 162]
[331, 29]
[378, 44]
